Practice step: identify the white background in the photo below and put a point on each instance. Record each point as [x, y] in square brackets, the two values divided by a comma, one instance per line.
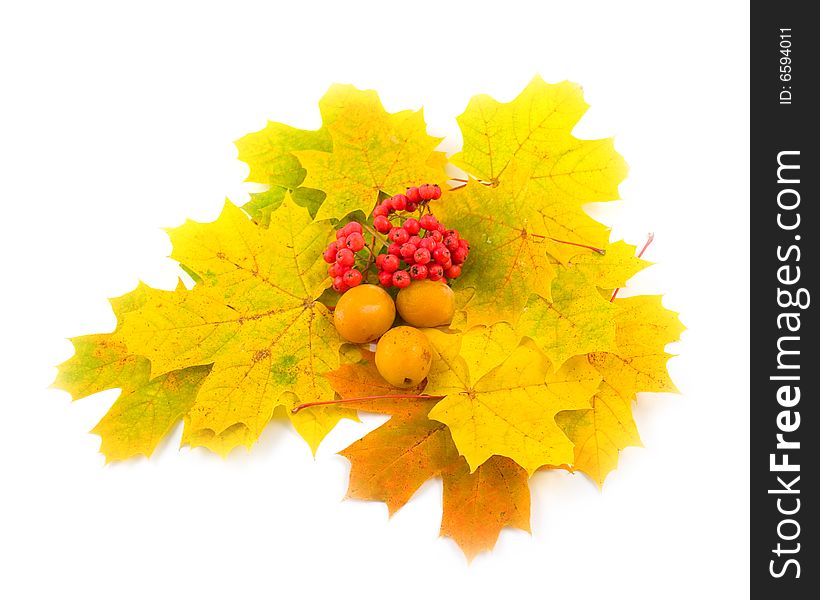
[118, 121]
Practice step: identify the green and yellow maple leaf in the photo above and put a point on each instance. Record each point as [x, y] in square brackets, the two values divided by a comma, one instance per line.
[146, 409]
[140, 419]
[101, 363]
[508, 261]
[510, 274]
[577, 320]
[504, 402]
[373, 152]
[269, 155]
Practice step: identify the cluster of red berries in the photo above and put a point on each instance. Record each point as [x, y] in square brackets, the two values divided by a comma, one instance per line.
[419, 248]
[410, 201]
[341, 255]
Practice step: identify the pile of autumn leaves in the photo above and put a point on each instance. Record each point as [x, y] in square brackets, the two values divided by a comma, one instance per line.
[538, 370]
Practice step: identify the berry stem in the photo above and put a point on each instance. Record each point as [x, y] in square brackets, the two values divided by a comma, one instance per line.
[377, 237]
[371, 254]
[649, 239]
[299, 407]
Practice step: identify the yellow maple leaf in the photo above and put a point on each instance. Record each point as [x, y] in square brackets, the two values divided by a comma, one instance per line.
[600, 432]
[505, 403]
[373, 152]
[314, 424]
[219, 443]
[525, 149]
[254, 317]
[613, 268]
[538, 121]
[643, 328]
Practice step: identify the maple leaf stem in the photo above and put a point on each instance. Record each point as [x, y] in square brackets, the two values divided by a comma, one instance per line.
[465, 181]
[649, 239]
[600, 251]
[296, 409]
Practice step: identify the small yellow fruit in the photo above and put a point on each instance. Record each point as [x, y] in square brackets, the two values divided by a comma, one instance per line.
[403, 356]
[426, 303]
[363, 313]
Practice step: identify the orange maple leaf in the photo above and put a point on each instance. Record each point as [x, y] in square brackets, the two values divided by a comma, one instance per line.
[392, 462]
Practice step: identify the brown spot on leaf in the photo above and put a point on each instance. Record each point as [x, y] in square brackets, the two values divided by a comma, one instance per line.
[261, 355]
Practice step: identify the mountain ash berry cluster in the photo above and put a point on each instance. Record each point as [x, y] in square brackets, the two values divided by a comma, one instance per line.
[403, 248]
